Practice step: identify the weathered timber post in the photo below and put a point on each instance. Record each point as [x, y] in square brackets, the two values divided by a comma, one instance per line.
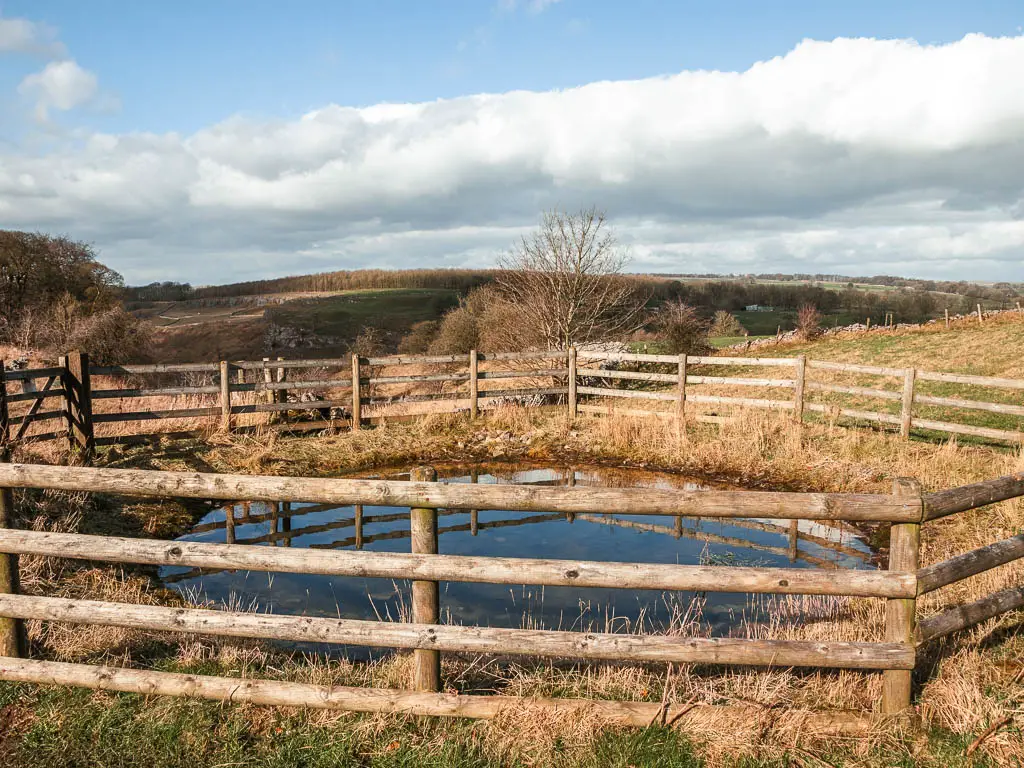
[678, 531]
[229, 524]
[474, 515]
[907, 410]
[571, 483]
[572, 383]
[900, 613]
[12, 631]
[5, 415]
[794, 537]
[1018, 307]
[269, 395]
[799, 386]
[358, 522]
[981, 317]
[225, 396]
[474, 392]
[78, 397]
[681, 396]
[286, 522]
[357, 405]
[425, 599]
[282, 394]
[869, 322]
[946, 311]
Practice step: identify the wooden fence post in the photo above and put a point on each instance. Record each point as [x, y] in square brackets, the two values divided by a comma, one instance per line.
[425, 598]
[799, 386]
[474, 405]
[78, 397]
[358, 523]
[357, 405]
[572, 383]
[225, 396]
[270, 395]
[947, 317]
[281, 395]
[12, 631]
[5, 416]
[900, 613]
[681, 396]
[794, 540]
[981, 318]
[907, 411]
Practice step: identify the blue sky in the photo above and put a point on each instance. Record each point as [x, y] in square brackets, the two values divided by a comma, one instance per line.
[244, 120]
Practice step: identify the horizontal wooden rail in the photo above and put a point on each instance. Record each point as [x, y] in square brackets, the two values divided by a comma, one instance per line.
[523, 374]
[964, 429]
[461, 568]
[520, 498]
[32, 373]
[416, 360]
[978, 381]
[969, 564]
[885, 394]
[629, 394]
[853, 413]
[42, 395]
[262, 365]
[34, 417]
[773, 361]
[972, 496]
[827, 365]
[385, 700]
[964, 616]
[602, 373]
[520, 392]
[308, 405]
[552, 354]
[741, 382]
[955, 402]
[592, 646]
[173, 413]
[118, 394]
[628, 357]
[750, 402]
[417, 378]
[122, 370]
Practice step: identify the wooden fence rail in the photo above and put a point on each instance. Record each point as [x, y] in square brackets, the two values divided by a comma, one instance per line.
[894, 655]
[234, 389]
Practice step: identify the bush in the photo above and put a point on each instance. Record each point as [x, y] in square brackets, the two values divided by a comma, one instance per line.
[808, 321]
[111, 336]
[371, 342]
[419, 338]
[459, 333]
[681, 329]
[725, 324]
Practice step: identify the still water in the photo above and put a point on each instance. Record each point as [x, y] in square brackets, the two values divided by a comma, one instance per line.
[650, 539]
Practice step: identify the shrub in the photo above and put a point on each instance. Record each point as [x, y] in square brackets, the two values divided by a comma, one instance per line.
[419, 338]
[459, 333]
[370, 342]
[726, 324]
[808, 321]
[681, 329]
[111, 336]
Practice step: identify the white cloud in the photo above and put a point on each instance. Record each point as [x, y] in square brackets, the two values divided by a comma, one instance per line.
[24, 36]
[61, 85]
[856, 156]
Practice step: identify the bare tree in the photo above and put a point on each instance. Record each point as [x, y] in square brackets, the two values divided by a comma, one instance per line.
[564, 282]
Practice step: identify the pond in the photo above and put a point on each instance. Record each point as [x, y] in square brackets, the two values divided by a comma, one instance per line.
[649, 539]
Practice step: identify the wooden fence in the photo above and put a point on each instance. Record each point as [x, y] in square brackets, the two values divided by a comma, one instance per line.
[895, 654]
[679, 387]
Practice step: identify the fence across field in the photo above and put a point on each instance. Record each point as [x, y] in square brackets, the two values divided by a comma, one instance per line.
[895, 654]
[90, 405]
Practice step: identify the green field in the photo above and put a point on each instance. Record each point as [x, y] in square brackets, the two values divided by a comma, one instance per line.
[344, 316]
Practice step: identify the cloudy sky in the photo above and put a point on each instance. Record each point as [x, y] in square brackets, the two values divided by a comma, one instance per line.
[223, 141]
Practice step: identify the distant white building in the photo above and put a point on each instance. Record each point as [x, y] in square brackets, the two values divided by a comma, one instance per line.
[758, 308]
